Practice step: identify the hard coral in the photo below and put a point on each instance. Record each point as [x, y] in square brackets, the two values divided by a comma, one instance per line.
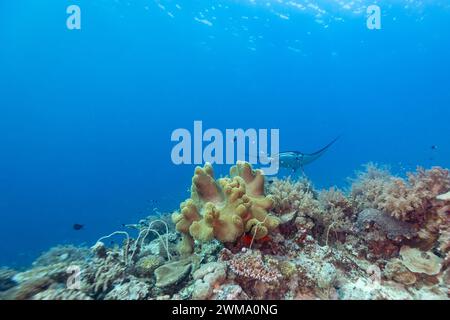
[369, 186]
[134, 289]
[413, 200]
[420, 262]
[146, 266]
[226, 208]
[289, 195]
[249, 264]
[444, 227]
[67, 254]
[392, 227]
[61, 294]
[395, 270]
[104, 273]
[172, 273]
[294, 201]
[209, 277]
[336, 210]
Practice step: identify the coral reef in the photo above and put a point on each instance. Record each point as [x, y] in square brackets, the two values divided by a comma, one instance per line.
[67, 254]
[249, 264]
[418, 261]
[207, 279]
[61, 294]
[7, 279]
[390, 226]
[133, 289]
[289, 195]
[414, 200]
[244, 237]
[173, 273]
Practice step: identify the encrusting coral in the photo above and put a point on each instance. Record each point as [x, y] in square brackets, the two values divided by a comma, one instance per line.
[227, 208]
[249, 264]
[418, 261]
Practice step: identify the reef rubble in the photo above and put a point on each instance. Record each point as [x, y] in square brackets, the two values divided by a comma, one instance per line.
[243, 237]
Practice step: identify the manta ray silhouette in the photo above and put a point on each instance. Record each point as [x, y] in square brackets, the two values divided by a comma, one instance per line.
[295, 160]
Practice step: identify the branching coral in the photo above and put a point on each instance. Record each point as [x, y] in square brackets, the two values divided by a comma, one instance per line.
[336, 211]
[226, 208]
[104, 273]
[369, 186]
[294, 201]
[330, 210]
[289, 196]
[412, 200]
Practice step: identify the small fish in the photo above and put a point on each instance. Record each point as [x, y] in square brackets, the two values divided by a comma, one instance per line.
[434, 147]
[78, 226]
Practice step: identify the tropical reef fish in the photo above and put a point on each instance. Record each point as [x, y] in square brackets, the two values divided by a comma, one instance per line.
[78, 226]
[295, 160]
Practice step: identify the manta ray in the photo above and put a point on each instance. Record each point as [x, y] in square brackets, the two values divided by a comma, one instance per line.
[295, 160]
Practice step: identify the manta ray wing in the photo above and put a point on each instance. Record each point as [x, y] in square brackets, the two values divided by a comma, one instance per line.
[311, 157]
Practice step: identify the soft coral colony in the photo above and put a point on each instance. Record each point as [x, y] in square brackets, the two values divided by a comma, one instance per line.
[244, 237]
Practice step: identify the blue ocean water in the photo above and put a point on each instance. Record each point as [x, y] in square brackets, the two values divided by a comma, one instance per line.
[86, 115]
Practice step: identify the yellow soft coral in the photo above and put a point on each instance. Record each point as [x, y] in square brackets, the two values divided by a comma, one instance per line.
[224, 209]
